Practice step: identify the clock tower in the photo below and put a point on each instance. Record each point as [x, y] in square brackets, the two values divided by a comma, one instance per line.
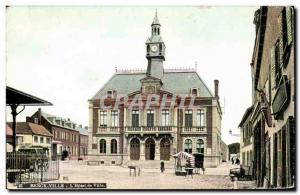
[155, 50]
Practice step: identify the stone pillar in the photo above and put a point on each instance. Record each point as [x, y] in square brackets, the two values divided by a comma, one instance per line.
[142, 150]
[157, 150]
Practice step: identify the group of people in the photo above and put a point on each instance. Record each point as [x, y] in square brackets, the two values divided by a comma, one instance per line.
[237, 161]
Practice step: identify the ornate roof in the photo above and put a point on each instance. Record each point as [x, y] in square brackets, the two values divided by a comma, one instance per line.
[176, 82]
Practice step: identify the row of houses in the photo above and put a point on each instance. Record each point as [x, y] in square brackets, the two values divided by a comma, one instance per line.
[51, 133]
[268, 125]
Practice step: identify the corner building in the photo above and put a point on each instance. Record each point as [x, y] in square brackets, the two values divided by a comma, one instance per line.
[135, 130]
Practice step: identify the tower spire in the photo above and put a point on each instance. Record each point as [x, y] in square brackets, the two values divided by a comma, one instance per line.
[155, 20]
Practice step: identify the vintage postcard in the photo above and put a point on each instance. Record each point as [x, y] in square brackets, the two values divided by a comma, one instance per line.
[150, 98]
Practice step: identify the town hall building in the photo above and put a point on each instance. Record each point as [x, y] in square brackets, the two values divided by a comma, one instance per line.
[124, 126]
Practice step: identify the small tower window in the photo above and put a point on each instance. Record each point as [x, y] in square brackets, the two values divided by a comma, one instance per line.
[160, 49]
[194, 92]
[148, 49]
[158, 31]
[109, 93]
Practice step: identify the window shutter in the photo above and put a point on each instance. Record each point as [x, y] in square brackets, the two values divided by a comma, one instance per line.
[273, 67]
[289, 23]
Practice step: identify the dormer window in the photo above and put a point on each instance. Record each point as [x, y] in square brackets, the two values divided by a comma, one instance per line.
[109, 93]
[194, 91]
[36, 120]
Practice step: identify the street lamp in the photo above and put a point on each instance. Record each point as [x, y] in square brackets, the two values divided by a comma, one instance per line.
[234, 134]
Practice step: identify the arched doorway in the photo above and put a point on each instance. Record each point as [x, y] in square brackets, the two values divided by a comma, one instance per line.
[150, 149]
[165, 149]
[134, 149]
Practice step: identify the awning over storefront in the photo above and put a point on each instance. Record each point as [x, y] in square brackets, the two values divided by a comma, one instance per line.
[186, 156]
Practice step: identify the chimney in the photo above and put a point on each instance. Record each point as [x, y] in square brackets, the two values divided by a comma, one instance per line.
[80, 126]
[86, 127]
[39, 115]
[68, 119]
[216, 88]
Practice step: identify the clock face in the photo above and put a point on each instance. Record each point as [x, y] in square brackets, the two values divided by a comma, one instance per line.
[154, 48]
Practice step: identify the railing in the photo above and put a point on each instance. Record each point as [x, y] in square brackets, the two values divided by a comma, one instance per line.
[149, 129]
[30, 167]
[193, 129]
[108, 130]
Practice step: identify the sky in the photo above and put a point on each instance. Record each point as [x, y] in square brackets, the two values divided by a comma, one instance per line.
[65, 54]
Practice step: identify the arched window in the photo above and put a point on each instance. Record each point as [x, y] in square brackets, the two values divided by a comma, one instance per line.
[158, 31]
[102, 146]
[154, 31]
[148, 48]
[188, 146]
[113, 146]
[200, 146]
[160, 48]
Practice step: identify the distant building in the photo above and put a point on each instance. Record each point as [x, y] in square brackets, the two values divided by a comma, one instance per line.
[246, 142]
[274, 97]
[30, 135]
[155, 132]
[67, 136]
[224, 151]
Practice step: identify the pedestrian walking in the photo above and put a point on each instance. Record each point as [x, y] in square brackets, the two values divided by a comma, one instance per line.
[232, 160]
[162, 166]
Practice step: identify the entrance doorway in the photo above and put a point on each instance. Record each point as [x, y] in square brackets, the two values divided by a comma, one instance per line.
[134, 149]
[165, 149]
[150, 149]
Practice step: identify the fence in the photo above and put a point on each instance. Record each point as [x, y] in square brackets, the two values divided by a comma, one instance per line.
[24, 168]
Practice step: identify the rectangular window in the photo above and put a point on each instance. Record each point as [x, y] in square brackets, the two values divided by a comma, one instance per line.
[48, 140]
[114, 118]
[188, 118]
[103, 118]
[277, 65]
[135, 118]
[36, 140]
[284, 28]
[41, 139]
[150, 118]
[19, 140]
[165, 117]
[200, 118]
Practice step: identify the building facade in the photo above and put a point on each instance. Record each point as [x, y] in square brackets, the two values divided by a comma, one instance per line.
[246, 141]
[224, 151]
[67, 136]
[31, 135]
[272, 119]
[153, 114]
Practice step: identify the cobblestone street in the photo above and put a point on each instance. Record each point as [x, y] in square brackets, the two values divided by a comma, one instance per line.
[118, 177]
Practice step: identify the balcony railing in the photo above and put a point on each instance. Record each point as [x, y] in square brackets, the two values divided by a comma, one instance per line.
[155, 129]
[108, 130]
[193, 129]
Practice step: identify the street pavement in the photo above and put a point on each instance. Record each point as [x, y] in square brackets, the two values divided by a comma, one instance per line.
[117, 177]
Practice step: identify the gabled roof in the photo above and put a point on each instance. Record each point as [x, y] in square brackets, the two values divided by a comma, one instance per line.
[30, 129]
[173, 82]
[68, 124]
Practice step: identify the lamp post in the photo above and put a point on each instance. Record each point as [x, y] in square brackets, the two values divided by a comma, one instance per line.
[234, 134]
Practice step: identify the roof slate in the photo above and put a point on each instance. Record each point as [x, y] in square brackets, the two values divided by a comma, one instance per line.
[173, 82]
[30, 128]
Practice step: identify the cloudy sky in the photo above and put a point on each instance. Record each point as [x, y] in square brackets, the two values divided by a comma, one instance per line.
[65, 54]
